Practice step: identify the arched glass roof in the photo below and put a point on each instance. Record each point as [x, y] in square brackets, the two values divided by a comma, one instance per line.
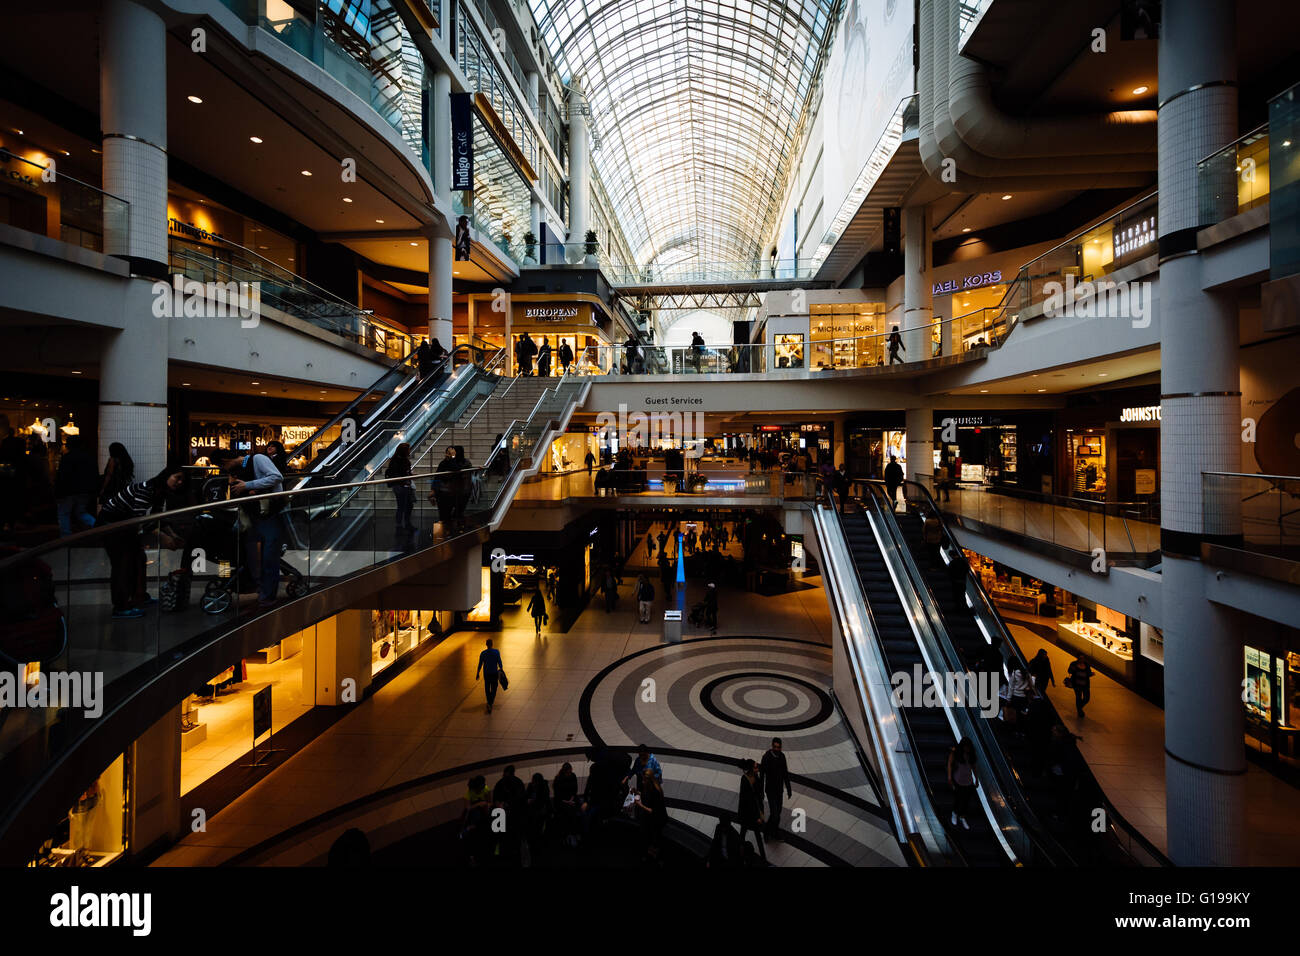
[695, 105]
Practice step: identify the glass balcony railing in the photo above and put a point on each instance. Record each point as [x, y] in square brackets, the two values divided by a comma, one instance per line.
[1263, 509]
[122, 603]
[1129, 531]
[59, 206]
[652, 478]
[1233, 179]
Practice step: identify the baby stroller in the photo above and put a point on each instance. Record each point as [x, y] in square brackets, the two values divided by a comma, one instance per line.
[216, 533]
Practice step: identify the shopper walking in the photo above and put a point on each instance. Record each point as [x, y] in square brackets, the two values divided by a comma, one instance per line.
[589, 461]
[711, 607]
[962, 779]
[525, 349]
[895, 346]
[775, 774]
[645, 595]
[537, 608]
[544, 359]
[1080, 681]
[1041, 670]
[444, 490]
[75, 484]
[749, 810]
[565, 354]
[893, 481]
[610, 589]
[490, 668]
[399, 466]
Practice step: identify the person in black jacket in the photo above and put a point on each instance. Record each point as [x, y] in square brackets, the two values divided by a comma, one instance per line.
[423, 362]
[525, 349]
[544, 359]
[893, 480]
[399, 466]
[125, 551]
[749, 811]
[444, 490]
[566, 357]
[75, 484]
[775, 774]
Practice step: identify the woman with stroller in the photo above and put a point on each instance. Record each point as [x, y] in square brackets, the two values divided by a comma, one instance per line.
[125, 549]
[399, 466]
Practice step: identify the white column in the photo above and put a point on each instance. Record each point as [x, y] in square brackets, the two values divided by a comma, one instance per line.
[441, 254]
[920, 442]
[133, 112]
[440, 145]
[579, 172]
[1205, 762]
[534, 91]
[916, 291]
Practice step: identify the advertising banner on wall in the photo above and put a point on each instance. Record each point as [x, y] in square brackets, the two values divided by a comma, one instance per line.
[462, 141]
[869, 73]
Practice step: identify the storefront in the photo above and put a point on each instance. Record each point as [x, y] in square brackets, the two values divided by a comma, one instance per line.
[1271, 693]
[1124, 648]
[212, 441]
[94, 831]
[580, 322]
[871, 442]
[565, 564]
[1004, 449]
[847, 335]
[207, 229]
[569, 451]
[1111, 452]
[816, 438]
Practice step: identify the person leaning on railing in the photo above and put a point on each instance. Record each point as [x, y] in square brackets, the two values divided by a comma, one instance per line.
[126, 555]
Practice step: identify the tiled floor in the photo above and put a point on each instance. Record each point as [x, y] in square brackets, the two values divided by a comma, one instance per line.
[432, 717]
[1124, 744]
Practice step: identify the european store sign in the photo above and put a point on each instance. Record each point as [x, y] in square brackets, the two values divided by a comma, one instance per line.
[968, 282]
[554, 314]
[1140, 413]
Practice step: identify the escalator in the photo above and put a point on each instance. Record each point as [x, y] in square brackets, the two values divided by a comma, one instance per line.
[1064, 803]
[931, 732]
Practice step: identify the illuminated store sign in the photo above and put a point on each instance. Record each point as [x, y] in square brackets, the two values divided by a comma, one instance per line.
[551, 313]
[968, 282]
[1140, 413]
[1134, 236]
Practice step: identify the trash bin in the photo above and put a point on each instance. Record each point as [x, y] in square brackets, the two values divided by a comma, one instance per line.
[672, 627]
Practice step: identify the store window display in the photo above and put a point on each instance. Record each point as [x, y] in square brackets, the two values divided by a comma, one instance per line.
[788, 350]
[94, 831]
[1087, 451]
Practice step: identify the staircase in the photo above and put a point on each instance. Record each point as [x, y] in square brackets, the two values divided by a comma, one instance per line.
[513, 400]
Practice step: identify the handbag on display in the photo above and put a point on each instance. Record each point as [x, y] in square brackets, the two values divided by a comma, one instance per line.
[503, 681]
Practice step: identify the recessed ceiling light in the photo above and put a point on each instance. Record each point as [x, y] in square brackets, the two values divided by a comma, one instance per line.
[1006, 197]
[379, 220]
[185, 384]
[415, 243]
[255, 383]
[983, 390]
[1102, 374]
[254, 139]
[18, 131]
[1139, 90]
[966, 229]
[194, 99]
[1042, 389]
[75, 372]
[346, 199]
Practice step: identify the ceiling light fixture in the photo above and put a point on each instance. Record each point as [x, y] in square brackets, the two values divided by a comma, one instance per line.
[966, 229]
[379, 220]
[1006, 197]
[1139, 90]
[254, 139]
[194, 99]
[346, 199]
[306, 172]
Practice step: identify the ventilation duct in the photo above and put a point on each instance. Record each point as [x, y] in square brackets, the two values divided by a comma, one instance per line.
[994, 152]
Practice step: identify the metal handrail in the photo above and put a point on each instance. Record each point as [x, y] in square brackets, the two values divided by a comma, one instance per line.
[1008, 642]
[826, 492]
[72, 179]
[1003, 771]
[1238, 474]
[1083, 232]
[1261, 128]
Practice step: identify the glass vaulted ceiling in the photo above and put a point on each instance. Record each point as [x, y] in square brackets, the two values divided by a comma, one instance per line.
[695, 105]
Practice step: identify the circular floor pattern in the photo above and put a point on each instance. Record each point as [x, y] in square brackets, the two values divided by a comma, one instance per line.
[761, 700]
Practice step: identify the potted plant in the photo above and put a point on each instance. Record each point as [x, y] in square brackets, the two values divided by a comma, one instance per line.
[590, 247]
[530, 247]
[696, 482]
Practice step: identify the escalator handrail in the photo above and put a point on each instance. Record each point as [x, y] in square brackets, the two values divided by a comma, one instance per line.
[928, 643]
[1113, 815]
[1008, 780]
[377, 428]
[824, 491]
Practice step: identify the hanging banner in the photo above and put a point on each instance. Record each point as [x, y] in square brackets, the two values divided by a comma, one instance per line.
[462, 141]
